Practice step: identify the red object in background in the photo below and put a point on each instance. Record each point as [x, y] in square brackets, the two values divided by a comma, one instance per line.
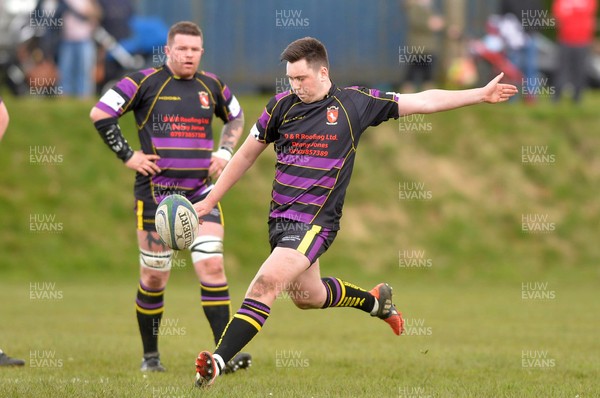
[498, 60]
[576, 21]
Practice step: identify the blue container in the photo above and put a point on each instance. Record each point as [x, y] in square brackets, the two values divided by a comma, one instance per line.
[243, 40]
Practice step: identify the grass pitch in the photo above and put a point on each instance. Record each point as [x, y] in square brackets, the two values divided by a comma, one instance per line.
[493, 308]
[81, 340]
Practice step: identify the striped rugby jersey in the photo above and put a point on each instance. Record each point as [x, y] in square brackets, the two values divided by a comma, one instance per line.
[315, 145]
[173, 118]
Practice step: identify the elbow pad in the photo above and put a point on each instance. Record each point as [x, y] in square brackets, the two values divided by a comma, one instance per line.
[111, 135]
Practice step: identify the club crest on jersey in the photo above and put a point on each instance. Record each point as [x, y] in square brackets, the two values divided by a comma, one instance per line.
[332, 115]
[204, 102]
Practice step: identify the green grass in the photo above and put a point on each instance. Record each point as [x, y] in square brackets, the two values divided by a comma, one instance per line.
[469, 231]
[464, 340]
[470, 161]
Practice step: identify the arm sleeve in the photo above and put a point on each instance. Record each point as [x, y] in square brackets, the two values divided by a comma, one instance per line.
[374, 106]
[227, 107]
[111, 134]
[266, 128]
[123, 96]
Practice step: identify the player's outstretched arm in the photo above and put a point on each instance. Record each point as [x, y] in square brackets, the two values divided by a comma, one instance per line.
[431, 101]
[243, 159]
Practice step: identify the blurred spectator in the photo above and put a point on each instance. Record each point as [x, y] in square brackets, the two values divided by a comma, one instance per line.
[520, 39]
[77, 50]
[456, 61]
[576, 24]
[116, 20]
[46, 18]
[116, 15]
[491, 48]
[422, 52]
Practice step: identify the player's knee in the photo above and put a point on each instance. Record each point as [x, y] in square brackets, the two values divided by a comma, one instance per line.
[207, 247]
[154, 281]
[157, 261]
[211, 267]
[263, 286]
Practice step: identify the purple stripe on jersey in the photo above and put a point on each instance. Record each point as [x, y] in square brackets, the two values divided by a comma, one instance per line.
[208, 298]
[310, 161]
[261, 319]
[319, 241]
[166, 143]
[283, 94]
[127, 86]
[210, 75]
[226, 93]
[174, 183]
[174, 163]
[148, 306]
[292, 215]
[374, 92]
[103, 107]
[303, 182]
[304, 198]
[148, 71]
[264, 119]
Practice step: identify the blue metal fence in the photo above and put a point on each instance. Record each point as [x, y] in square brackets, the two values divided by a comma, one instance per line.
[243, 39]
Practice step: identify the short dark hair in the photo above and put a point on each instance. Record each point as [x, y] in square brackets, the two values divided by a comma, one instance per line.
[183, 28]
[309, 49]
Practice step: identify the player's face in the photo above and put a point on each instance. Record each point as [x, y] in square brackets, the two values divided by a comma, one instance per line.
[184, 54]
[308, 83]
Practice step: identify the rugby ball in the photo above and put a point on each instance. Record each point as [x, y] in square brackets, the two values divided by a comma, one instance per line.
[176, 222]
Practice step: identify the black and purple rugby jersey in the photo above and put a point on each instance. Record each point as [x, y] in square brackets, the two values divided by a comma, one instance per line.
[173, 118]
[315, 146]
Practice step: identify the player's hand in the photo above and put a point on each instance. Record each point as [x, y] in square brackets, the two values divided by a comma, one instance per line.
[143, 163]
[216, 167]
[495, 91]
[202, 208]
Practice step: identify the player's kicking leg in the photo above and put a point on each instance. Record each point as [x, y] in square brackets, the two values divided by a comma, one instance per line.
[207, 255]
[279, 270]
[310, 291]
[288, 268]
